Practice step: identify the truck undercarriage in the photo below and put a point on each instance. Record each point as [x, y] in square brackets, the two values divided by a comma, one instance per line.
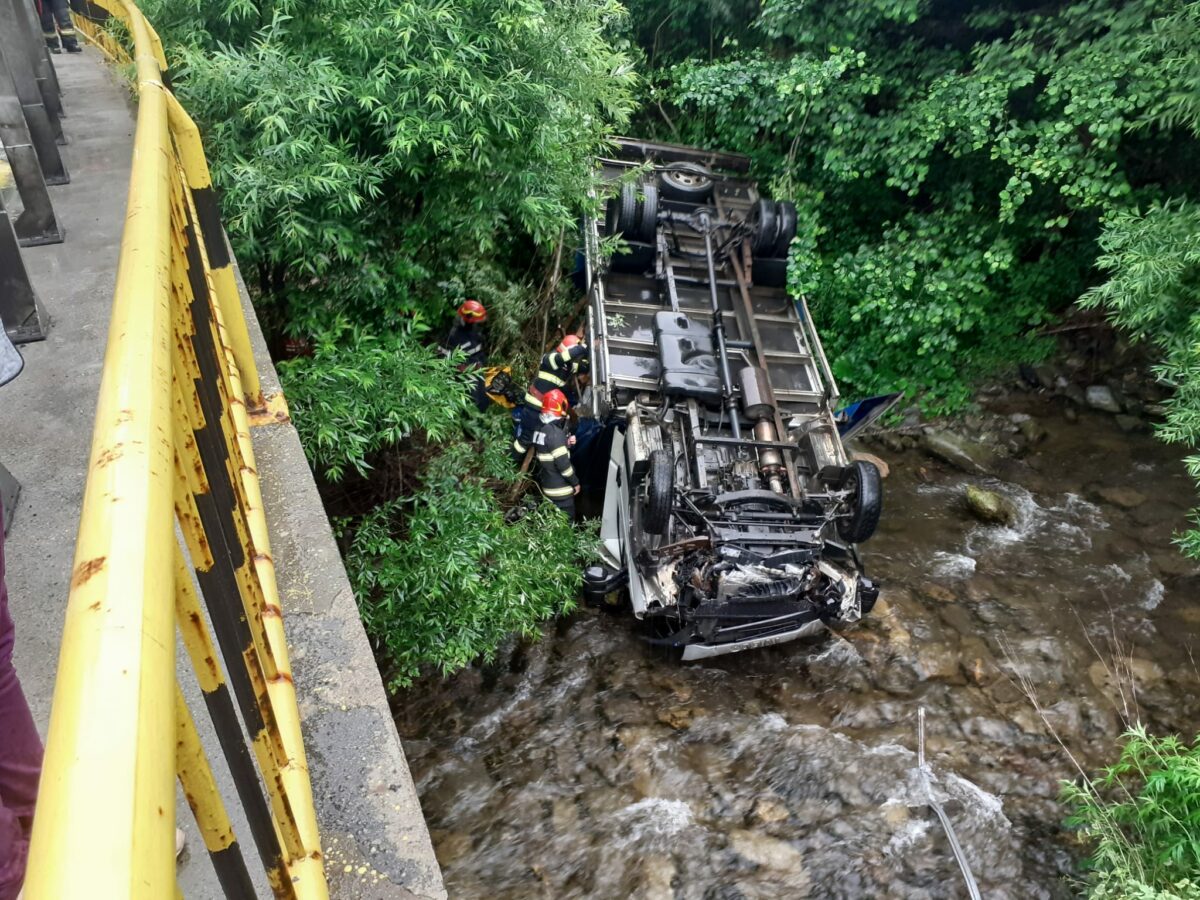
[731, 509]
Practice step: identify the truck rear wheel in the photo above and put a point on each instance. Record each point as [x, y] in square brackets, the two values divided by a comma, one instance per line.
[787, 228]
[864, 502]
[648, 213]
[686, 181]
[765, 221]
[660, 486]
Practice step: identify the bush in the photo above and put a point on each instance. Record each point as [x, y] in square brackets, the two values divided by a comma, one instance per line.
[1142, 819]
[359, 394]
[441, 579]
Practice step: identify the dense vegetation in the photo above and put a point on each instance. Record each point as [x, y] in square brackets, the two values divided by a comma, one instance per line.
[964, 174]
[379, 162]
[1142, 817]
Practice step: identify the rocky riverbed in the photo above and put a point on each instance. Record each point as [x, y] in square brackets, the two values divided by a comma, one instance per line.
[590, 765]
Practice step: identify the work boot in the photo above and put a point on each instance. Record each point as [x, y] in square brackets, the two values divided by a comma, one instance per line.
[73, 47]
[52, 42]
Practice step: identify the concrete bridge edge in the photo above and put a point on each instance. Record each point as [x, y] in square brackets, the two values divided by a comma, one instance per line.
[376, 842]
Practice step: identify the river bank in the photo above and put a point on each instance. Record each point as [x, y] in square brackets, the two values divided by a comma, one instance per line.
[590, 765]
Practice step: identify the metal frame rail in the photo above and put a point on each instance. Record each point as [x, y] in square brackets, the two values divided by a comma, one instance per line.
[172, 448]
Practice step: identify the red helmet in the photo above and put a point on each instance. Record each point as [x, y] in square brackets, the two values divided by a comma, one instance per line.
[554, 402]
[472, 311]
[569, 341]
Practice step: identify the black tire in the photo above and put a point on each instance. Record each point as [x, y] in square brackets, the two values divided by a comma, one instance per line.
[660, 488]
[862, 479]
[648, 213]
[765, 222]
[787, 228]
[686, 181]
[627, 209]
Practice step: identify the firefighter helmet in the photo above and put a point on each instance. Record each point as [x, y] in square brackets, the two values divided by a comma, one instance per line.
[554, 402]
[472, 311]
[566, 343]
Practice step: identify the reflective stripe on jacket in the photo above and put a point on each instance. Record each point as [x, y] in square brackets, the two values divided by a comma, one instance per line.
[556, 475]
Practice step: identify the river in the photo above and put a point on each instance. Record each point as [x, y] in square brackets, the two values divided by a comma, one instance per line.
[591, 765]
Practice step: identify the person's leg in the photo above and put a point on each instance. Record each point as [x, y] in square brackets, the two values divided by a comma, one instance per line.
[567, 505]
[49, 32]
[62, 12]
[20, 756]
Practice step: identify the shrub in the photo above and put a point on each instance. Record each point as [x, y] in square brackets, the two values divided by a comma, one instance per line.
[1142, 819]
[441, 578]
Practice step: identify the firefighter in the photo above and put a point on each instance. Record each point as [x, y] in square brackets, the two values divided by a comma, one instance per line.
[467, 336]
[49, 11]
[556, 475]
[569, 358]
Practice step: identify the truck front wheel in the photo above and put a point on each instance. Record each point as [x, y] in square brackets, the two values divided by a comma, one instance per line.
[864, 501]
[660, 486]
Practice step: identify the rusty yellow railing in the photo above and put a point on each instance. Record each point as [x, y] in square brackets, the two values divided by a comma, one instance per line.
[171, 449]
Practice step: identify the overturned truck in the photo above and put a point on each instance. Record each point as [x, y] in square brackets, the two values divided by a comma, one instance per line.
[731, 509]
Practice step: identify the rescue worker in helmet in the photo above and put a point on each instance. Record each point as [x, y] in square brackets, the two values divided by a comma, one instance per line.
[556, 476]
[569, 358]
[467, 336]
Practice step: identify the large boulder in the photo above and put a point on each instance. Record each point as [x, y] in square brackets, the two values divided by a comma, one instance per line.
[959, 451]
[990, 507]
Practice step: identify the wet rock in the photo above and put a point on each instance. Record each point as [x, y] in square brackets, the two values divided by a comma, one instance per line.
[892, 442]
[957, 618]
[1172, 563]
[657, 877]
[1149, 514]
[1113, 676]
[938, 593]
[977, 663]
[990, 507]
[960, 452]
[1075, 394]
[619, 708]
[1132, 424]
[1071, 414]
[449, 846]
[1116, 495]
[1101, 397]
[768, 852]
[1032, 431]
[994, 731]
[769, 811]
[1046, 375]
[680, 717]
[884, 468]
[939, 662]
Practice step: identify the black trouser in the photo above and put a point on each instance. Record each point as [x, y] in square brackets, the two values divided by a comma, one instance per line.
[59, 10]
[566, 504]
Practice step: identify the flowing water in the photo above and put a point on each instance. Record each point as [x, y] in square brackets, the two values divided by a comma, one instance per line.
[591, 765]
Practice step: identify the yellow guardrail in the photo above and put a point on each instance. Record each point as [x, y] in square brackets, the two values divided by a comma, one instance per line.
[171, 449]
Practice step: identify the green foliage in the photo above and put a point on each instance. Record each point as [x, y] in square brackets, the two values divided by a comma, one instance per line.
[953, 166]
[1141, 818]
[366, 149]
[1154, 294]
[359, 394]
[460, 580]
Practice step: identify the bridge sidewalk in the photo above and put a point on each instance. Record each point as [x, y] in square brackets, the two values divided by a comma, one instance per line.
[374, 835]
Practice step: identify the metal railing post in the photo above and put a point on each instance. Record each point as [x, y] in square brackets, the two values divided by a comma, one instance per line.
[43, 68]
[18, 302]
[17, 54]
[37, 223]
